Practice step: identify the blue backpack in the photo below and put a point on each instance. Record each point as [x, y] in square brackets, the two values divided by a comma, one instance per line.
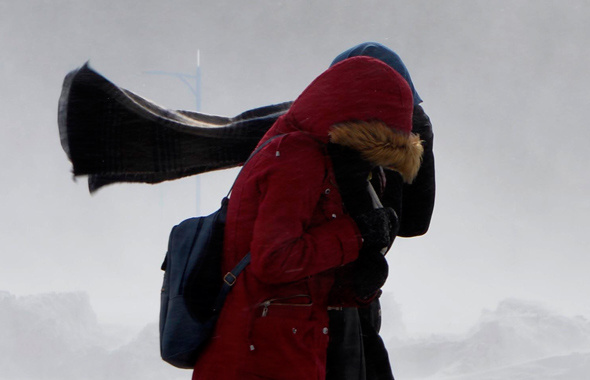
[194, 288]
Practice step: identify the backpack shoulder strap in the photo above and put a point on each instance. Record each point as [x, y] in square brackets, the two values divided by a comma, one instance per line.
[229, 280]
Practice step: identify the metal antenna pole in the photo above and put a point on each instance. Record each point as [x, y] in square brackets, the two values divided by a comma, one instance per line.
[196, 91]
[198, 81]
[198, 99]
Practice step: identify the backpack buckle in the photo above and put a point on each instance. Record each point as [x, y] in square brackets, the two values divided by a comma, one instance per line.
[229, 279]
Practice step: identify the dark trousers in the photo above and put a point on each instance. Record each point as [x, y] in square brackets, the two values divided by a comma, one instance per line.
[356, 351]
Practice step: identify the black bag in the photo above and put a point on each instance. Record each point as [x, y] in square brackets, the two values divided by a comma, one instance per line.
[194, 289]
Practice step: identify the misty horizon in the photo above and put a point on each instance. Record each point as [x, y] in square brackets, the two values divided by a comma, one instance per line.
[505, 85]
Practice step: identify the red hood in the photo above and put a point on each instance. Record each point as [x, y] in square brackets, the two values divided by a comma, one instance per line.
[356, 89]
[363, 104]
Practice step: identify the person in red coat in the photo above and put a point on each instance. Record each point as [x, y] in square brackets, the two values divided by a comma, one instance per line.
[287, 211]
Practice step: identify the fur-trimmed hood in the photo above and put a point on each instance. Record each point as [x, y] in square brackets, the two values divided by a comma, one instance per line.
[364, 104]
[381, 146]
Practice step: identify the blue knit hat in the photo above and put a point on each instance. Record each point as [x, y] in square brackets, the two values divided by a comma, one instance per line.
[384, 54]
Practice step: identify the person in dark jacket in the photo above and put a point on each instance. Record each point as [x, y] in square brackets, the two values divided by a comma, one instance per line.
[356, 351]
[286, 209]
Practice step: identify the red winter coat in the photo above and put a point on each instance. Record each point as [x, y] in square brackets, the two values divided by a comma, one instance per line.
[286, 210]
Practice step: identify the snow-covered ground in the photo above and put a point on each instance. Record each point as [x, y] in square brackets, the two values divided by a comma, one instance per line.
[57, 336]
[518, 340]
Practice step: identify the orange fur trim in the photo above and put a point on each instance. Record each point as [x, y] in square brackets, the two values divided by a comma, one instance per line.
[381, 145]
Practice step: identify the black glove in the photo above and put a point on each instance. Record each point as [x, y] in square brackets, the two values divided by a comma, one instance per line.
[378, 228]
[369, 273]
[421, 125]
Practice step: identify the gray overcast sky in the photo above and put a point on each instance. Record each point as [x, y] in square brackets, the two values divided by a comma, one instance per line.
[505, 84]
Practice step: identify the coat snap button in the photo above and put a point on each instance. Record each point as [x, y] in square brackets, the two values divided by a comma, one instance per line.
[327, 191]
[252, 348]
[325, 331]
[333, 216]
[294, 331]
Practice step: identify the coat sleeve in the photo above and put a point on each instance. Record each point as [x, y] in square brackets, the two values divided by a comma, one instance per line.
[288, 244]
[414, 203]
[418, 197]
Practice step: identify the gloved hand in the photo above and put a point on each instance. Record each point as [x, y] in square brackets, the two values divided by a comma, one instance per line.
[378, 228]
[359, 281]
[421, 125]
[370, 271]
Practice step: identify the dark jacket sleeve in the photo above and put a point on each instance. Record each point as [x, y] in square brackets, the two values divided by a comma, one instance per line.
[414, 202]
